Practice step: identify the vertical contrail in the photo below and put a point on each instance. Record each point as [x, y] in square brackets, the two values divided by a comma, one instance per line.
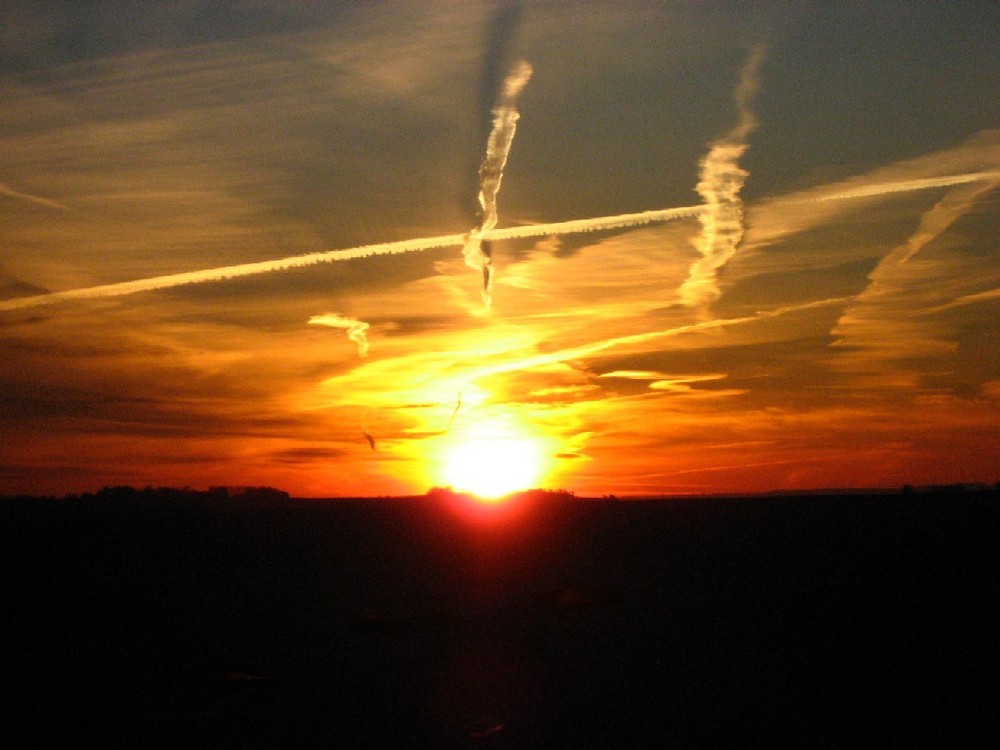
[357, 330]
[476, 249]
[497, 61]
[721, 180]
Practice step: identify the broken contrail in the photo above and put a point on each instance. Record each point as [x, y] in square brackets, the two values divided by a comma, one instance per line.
[476, 248]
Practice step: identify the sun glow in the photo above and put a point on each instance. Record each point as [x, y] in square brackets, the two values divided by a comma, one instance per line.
[494, 461]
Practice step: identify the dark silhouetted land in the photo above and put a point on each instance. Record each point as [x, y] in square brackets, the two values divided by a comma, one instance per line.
[178, 619]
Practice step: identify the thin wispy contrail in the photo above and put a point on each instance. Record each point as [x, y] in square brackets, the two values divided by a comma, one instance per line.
[12, 193]
[722, 179]
[476, 249]
[586, 350]
[904, 186]
[357, 330]
[966, 299]
[727, 467]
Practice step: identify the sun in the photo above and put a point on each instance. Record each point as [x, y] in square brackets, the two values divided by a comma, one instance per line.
[493, 463]
[492, 467]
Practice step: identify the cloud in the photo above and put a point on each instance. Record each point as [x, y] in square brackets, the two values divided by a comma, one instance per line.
[357, 330]
[633, 374]
[660, 381]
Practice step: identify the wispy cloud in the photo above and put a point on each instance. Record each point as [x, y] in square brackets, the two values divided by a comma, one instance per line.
[357, 330]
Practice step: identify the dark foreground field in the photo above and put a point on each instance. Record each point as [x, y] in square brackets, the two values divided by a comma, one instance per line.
[805, 622]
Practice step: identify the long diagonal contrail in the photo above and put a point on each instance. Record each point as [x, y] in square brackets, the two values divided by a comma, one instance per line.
[621, 221]
[224, 273]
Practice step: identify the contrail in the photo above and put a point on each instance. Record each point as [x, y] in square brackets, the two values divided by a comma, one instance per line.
[867, 325]
[721, 180]
[601, 223]
[967, 299]
[356, 329]
[421, 244]
[586, 350]
[904, 186]
[476, 248]
[12, 193]
[497, 61]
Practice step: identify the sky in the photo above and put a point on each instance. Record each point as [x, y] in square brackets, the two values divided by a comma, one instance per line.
[822, 311]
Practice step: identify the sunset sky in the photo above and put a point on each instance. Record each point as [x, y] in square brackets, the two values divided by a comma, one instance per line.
[826, 315]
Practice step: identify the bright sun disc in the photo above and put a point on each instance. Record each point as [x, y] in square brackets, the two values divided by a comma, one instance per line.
[491, 466]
